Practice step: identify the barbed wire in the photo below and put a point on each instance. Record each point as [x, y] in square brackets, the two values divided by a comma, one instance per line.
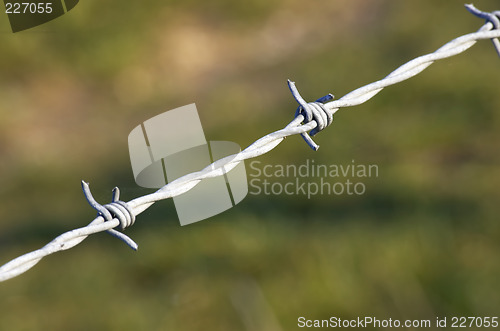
[310, 118]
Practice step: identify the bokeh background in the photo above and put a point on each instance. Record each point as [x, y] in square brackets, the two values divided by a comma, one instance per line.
[422, 242]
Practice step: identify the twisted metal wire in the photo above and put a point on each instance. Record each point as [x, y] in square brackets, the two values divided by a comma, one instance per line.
[310, 117]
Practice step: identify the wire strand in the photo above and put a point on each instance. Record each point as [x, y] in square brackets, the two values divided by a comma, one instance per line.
[299, 125]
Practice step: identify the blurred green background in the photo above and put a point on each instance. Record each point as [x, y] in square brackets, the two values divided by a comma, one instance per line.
[422, 242]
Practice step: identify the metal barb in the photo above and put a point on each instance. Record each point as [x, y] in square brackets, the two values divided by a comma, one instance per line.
[117, 209]
[312, 111]
[493, 18]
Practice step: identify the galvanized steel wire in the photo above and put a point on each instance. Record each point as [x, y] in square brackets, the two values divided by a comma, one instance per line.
[310, 117]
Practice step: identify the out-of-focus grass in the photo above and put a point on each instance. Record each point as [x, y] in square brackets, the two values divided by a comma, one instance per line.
[422, 242]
